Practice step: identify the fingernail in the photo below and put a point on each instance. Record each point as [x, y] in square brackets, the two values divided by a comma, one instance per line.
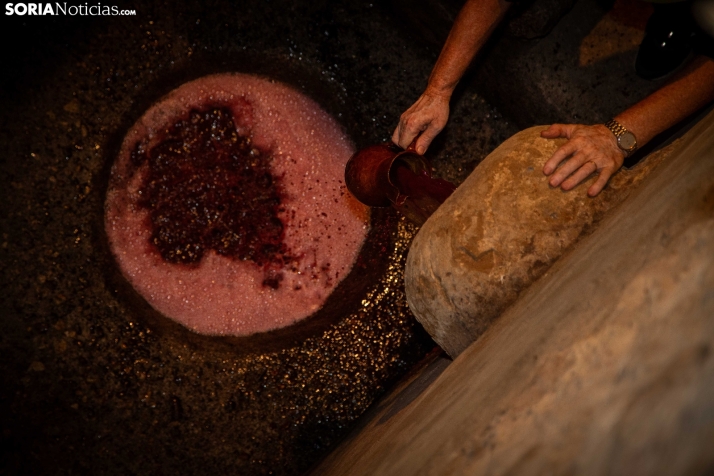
[421, 150]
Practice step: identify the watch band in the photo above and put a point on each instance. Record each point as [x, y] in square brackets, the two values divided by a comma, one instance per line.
[616, 128]
[619, 130]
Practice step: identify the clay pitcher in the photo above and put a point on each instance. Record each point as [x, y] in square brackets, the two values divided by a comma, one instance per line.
[385, 174]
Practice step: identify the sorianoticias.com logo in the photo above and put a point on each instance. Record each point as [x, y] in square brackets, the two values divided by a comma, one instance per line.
[58, 8]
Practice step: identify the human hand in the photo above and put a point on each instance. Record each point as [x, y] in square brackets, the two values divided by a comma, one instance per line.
[427, 116]
[589, 149]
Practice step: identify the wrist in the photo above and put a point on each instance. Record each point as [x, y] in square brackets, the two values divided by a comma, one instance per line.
[439, 91]
[624, 138]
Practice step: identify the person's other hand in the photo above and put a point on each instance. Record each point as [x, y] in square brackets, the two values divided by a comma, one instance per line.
[589, 149]
[427, 116]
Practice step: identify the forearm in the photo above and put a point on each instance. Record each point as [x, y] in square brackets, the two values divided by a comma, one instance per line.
[429, 114]
[692, 89]
[472, 27]
[594, 149]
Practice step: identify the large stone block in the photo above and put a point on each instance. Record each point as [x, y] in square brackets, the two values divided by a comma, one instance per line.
[498, 233]
[602, 367]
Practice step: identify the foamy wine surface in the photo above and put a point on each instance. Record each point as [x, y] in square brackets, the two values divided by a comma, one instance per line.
[226, 207]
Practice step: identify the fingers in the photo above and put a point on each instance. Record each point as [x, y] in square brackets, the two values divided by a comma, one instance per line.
[558, 130]
[562, 153]
[409, 128]
[579, 175]
[601, 181]
[589, 149]
[427, 117]
[405, 132]
[395, 135]
[552, 132]
[427, 136]
[568, 168]
[411, 123]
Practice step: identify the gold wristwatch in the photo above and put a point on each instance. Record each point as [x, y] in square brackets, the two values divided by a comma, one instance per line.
[626, 140]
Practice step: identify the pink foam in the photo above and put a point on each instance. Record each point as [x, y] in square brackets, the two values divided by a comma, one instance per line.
[324, 224]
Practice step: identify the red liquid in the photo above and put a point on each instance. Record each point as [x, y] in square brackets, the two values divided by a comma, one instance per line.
[422, 185]
[419, 194]
[208, 188]
[241, 274]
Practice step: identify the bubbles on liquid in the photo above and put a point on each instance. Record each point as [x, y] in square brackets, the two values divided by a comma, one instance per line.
[231, 299]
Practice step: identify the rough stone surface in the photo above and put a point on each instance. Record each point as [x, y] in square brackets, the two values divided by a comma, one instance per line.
[604, 366]
[500, 231]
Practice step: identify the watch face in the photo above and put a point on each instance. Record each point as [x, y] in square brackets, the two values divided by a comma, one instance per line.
[627, 141]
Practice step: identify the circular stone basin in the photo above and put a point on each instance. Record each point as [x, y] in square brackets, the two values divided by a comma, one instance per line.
[226, 208]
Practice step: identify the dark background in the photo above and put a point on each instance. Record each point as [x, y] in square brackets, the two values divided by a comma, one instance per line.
[93, 382]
